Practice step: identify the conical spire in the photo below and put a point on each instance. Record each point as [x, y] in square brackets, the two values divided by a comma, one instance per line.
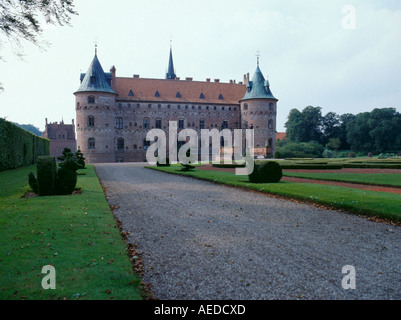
[258, 87]
[95, 79]
[170, 73]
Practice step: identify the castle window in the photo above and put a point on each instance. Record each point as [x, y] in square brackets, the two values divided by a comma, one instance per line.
[215, 108]
[229, 108]
[119, 123]
[77, 104]
[91, 143]
[168, 106]
[178, 107]
[270, 142]
[186, 107]
[146, 123]
[138, 105]
[91, 121]
[245, 106]
[270, 124]
[149, 106]
[202, 124]
[181, 124]
[91, 99]
[193, 107]
[158, 123]
[120, 105]
[222, 108]
[120, 144]
[146, 144]
[135, 147]
[225, 124]
[199, 107]
[235, 108]
[207, 107]
[159, 106]
[271, 106]
[129, 105]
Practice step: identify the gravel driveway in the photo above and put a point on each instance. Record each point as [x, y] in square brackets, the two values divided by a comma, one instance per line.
[205, 241]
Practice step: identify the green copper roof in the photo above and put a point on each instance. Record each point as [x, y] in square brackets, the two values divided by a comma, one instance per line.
[95, 79]
[258, 87]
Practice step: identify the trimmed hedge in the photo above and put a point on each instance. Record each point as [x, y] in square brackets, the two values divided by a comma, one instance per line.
[19, 147]
[266, 172]
[46, 173]
[312, 166]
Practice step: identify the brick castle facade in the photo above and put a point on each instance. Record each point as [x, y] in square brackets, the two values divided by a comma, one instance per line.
[114, 114]
[61, 136]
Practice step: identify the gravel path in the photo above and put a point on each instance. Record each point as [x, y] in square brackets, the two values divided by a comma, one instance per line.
[205, 241]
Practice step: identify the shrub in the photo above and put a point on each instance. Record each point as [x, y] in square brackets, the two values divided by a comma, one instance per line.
[278, 155]
[266, 172]
[300, 150]
[33, 182]
[66, 180]
[327, 154]
[351, 154]
[46, 173]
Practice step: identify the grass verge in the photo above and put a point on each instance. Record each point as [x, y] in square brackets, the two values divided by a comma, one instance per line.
[382, 205]
[77, 234]
[380, 179]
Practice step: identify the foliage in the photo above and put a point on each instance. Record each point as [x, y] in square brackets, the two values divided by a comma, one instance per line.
[19, 147]
[327, 153]
[290, 149]
[46, 173]
[22, 19]
[56, 182]
[30, 128]
[266, 172]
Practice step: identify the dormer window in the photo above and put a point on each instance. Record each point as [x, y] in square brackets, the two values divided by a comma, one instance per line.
[130, 93]
[201, 96]
[220, 96]
[157, 94]
[178, 94]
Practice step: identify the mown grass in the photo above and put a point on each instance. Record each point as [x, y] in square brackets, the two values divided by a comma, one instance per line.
[383, 179]
[379, 204]
[77, 234]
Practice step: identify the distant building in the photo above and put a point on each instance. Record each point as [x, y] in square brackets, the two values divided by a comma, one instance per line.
[61, 136]
[281, 136]
[114, 113]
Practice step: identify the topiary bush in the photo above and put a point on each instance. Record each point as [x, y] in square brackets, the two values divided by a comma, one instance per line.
[33, 182]
[66, 180]
[46, 173]
[266, 172]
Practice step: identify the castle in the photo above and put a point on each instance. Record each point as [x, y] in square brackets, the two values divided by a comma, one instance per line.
[61, 136]
[114, 114]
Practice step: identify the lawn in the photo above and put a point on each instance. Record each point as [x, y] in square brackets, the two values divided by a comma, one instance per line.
[77, 234]
[379, 204]
[384, 179]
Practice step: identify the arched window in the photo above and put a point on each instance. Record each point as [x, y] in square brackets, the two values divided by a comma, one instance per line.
[270, 142]
[91, 99]
[245, 106]
[202, 124]
[120, 144]
[271, 106]
[146, 123]
[91, 121]
[91, 143]
[158, 123]
[270, 124]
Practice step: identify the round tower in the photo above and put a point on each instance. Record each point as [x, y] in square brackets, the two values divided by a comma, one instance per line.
[94, 105]
[258, 112]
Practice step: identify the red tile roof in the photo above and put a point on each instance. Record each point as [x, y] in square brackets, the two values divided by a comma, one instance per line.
[281, 135]
[190, 91]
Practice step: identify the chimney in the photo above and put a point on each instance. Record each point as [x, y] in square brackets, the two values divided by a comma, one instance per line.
[188, 79]
[246, 78]
[207, 79]
[46, 120]
[113, 77]
[217, 80]
[72, 121]
[136, 75]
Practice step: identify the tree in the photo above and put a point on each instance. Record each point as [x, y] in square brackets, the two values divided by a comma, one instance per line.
[21, 19]
[305, 126]
[334, 143]
[330, 126]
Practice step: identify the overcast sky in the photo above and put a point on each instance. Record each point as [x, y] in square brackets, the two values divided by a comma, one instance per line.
[309, 50]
